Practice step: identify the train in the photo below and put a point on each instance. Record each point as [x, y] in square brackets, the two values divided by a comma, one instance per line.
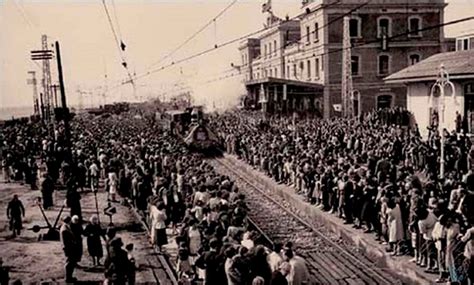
[190, 125]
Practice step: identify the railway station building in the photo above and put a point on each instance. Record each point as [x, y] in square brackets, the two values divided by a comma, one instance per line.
[296, 64]
[425, 103]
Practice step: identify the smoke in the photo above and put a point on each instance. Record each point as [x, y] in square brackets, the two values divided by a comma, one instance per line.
[220, 95]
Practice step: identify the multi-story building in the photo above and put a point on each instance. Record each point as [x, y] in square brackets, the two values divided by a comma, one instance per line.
[299, 63]
[465, 42]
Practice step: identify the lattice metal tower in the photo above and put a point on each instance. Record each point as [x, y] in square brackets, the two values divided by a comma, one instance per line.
[46, 84]
[32, 81]
[346, 83]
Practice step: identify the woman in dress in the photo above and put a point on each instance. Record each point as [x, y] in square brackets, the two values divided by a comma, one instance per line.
[158, 225]
[194, 236]
[93, 233]
[395, 226]
[112, 185]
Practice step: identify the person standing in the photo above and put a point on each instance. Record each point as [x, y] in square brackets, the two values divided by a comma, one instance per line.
[212, 262]
[47, 189]
[73, 198]
[33, 172]
[132, 264]
[93, 232]
[68, 241]
[15, 212]
[299, 273]
[158, 225]
[395, 226]
[112, 183]
[117, 264]
[78, 232]
[94, 176]
[194, 237]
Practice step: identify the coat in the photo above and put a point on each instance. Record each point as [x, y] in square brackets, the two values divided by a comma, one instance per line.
[94, 244]
[212, 262]
[395, 224]
[68, 240]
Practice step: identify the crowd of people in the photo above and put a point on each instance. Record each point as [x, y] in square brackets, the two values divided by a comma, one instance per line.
[140, 163]
[375, 172]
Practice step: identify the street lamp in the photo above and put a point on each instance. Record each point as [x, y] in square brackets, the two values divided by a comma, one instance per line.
[441, 83]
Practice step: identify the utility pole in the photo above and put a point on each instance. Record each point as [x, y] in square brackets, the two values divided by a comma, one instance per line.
[33, 82]
[347, 94]
[42, 109]
[54, 88]
[441, 83]
[65, 109]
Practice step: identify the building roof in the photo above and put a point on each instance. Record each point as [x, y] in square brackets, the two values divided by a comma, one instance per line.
[458, 64]
[274, 80]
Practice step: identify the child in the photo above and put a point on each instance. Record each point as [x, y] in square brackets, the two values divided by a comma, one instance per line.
[183, 264]
[133, 266]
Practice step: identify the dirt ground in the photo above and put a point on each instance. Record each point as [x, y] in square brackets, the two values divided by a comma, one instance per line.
[35, 262]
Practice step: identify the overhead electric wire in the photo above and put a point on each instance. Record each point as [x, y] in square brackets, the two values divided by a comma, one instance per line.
[213, 20]
[329, 52]
[393, 37]
[145, 74]
[372, 42]
[124, 62]
[116, 19]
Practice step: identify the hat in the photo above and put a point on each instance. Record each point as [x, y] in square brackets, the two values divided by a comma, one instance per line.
[116, 242]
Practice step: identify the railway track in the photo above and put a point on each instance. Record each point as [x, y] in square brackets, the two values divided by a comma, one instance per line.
[330, 260]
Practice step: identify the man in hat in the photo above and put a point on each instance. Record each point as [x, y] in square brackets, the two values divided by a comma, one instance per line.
[15, 211]
[117, 264]
[47, 189]
[69, 243]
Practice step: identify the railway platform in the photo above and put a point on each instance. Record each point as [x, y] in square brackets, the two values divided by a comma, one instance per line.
[366, 243]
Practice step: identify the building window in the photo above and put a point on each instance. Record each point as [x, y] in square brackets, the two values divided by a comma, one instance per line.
[316, 68]
[384, 27]
[276, 72]
[270, 73]
[414, 26]
[294, 70]
[288, 71]
[462, 44]
[384, 64]
[355, 65]
[308, 34]
[414, 59]
[355, 25]
[270, 49]
[316, 31]
[384, 101]
[275, 46]
[308, 63]
[265, 50]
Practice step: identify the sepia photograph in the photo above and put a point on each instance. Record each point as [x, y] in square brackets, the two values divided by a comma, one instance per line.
[237, 142]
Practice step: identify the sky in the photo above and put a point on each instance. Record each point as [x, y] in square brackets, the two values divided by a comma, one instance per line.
[150, 29]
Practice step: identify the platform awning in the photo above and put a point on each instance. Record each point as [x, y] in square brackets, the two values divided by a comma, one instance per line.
[282, 81]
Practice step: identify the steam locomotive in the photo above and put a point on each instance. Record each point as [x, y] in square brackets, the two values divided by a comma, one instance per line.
[190, 125]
